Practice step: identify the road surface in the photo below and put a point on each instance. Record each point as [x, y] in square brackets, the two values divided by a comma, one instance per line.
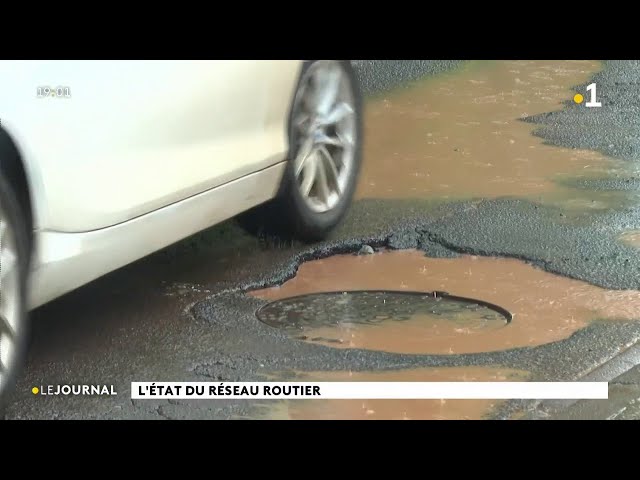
[482, 179]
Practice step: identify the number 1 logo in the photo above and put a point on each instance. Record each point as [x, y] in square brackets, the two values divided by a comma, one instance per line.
[592, 102]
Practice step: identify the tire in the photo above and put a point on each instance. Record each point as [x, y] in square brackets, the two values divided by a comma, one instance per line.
[292, 213]
[13, 287]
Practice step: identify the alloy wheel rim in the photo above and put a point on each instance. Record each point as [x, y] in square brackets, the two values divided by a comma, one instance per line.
[324, 129]
[9, 300]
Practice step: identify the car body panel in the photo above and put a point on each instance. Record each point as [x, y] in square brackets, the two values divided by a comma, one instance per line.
[141, 155]
[137, 136]
[65, 261]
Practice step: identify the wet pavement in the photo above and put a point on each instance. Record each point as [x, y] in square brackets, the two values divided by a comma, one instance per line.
[545, 307]
[480, 179]
[396, 409]
[460, 135]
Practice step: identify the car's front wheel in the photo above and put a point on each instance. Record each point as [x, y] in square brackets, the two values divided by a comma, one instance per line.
[325, 149]
[325, 135]
[13, 272]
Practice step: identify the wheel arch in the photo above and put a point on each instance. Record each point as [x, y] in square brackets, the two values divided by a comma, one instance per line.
[14, 169]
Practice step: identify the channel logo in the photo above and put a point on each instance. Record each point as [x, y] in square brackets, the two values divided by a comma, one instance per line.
[75, 390]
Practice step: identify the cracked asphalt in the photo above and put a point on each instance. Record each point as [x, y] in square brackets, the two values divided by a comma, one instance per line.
[182, 314]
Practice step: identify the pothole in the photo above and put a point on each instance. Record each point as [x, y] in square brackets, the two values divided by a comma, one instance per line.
[545, 307]
[396, 409]
[397, 321]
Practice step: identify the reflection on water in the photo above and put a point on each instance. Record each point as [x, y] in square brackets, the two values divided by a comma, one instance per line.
[458, 135]
[396, 409]
[545, 307]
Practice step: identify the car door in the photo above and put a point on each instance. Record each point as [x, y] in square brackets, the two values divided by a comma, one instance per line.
[118, 139]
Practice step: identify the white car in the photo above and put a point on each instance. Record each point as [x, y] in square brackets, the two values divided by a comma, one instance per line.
[104, 162]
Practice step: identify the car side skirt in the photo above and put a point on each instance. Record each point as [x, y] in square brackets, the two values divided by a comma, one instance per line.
[66, 261]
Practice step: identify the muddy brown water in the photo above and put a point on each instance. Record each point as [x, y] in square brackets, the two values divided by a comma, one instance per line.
[545, 307]
[397, 409]
[631, 238]
[459, 135]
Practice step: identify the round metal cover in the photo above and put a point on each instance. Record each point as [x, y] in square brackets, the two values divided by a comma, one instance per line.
[317, 311]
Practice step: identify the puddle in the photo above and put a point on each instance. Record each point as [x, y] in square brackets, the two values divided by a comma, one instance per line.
[397, 409]
[631, 238]
[545, 307]
[351, 319]
[458, 136]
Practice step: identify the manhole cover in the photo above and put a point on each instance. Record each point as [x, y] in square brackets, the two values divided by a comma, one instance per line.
[405, 322]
